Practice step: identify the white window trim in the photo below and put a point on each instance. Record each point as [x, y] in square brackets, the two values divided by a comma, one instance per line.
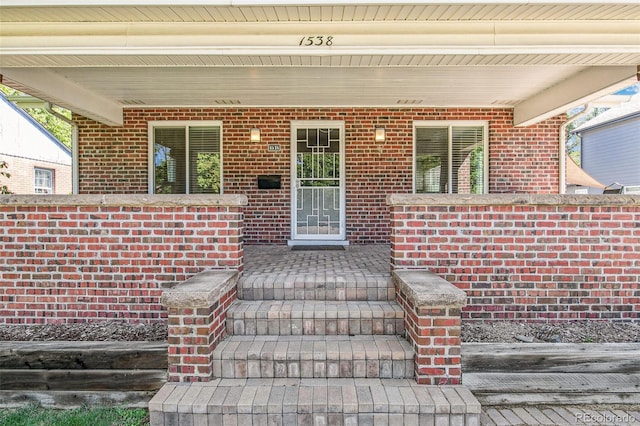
[452, 123]
[52, 188]
[181, 123]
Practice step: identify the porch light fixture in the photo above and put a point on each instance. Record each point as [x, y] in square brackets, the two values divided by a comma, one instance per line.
[254, 135]
[381, 135]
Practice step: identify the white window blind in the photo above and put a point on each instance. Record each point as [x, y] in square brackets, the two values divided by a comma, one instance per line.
[467, 160]
[204, 160]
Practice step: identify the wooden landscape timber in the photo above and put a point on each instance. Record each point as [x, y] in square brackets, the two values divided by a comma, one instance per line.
[72, 374]
[551, 358]
[83, 355]
[552, 373]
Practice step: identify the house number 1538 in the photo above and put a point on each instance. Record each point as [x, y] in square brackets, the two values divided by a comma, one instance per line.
[316, 41]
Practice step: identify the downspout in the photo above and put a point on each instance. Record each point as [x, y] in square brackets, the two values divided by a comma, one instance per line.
[562, 186]
[74, 145]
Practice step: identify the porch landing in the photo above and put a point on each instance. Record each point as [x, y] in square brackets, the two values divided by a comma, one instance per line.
[355, 261]
[279, 273]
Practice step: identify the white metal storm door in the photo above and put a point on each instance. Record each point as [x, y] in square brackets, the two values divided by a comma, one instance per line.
[318, 195]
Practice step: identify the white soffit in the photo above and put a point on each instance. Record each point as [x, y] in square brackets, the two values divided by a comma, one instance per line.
[306, 11]
[317, 86]
[95, 57]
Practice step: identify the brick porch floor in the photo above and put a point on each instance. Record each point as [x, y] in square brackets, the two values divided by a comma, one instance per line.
[278, 261]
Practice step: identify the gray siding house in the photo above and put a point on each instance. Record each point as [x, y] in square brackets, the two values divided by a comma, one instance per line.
[611, 146]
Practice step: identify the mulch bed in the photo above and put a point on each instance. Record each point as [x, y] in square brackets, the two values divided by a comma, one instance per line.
[499, 332]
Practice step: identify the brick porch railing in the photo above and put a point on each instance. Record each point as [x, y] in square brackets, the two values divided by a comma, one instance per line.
[525, 256]
[92, 257]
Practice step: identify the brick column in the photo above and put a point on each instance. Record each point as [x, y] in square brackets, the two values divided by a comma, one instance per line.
[432, 309]
[197, 310]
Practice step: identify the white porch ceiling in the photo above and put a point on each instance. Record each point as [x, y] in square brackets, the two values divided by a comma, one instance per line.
[334, 11]
[540, 58]
[318, 86]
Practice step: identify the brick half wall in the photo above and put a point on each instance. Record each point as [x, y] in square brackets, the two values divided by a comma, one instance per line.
[531, 257]
[81, 258]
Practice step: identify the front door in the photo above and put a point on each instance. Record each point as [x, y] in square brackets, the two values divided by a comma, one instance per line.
[318, 188]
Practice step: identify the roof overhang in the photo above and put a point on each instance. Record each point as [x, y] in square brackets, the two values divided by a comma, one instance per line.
[97, 57]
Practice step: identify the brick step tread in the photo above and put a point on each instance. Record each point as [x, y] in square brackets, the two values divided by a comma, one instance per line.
[308, 317]
[313, 401]
[316, 286]
[379, 356]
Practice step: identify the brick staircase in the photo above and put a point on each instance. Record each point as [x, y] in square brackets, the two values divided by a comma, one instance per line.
[308, 347]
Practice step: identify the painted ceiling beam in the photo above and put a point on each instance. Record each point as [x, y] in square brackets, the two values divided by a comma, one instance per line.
[65, 93]
[583, 87]
[320, 39]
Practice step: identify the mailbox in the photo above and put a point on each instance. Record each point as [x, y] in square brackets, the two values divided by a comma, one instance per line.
[269, 182]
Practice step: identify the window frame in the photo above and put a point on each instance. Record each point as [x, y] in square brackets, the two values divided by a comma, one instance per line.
[450, 124]
[51, 173]
[152, 125]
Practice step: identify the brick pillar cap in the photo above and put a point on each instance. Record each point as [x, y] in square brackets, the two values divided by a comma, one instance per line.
[129, 200]
[450, 200]
[426, 289]
[201, 290]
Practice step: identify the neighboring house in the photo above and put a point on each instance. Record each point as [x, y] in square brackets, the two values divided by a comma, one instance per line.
[37, 162]
[610, 146]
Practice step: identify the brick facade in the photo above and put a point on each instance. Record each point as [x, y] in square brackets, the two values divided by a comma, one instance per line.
[82, 258]
[115, 159]
[527, 257]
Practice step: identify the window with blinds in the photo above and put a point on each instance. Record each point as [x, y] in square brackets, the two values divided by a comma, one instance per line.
[186, 159]
[450, 158]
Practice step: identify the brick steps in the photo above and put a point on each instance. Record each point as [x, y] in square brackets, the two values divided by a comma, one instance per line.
[305, 347]
[316, 286]
[313, 401]
[363, 356]
[312, 317]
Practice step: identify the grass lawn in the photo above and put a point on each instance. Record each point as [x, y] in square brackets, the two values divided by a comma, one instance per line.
[37, 416]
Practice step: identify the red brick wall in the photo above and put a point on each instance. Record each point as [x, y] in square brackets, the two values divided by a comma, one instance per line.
[527, 257]
[70, 259]
[114, 160]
